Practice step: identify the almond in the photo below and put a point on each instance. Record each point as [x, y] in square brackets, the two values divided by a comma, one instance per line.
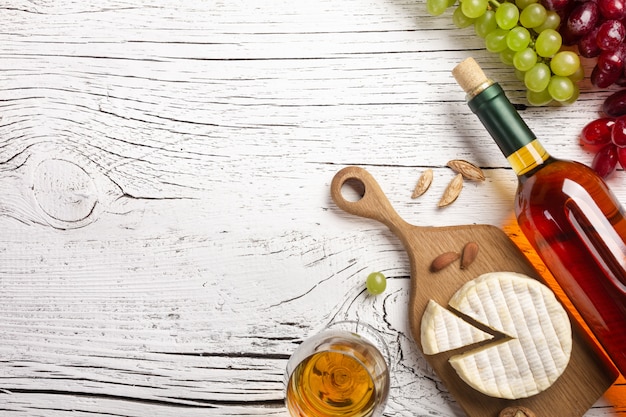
[423, 183]
[470, 251]
[443, 260]
[467, 169]
[452, 191]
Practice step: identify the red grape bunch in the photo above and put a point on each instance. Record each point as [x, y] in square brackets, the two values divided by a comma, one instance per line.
[606, 136]
[597, 28]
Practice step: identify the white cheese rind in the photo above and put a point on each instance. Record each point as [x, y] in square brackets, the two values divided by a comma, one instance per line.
[442, 330]
[541, 336]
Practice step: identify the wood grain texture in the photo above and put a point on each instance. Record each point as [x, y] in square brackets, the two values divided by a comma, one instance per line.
[168, 236]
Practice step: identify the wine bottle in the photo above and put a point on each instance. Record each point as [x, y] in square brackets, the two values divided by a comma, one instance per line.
[566, 211]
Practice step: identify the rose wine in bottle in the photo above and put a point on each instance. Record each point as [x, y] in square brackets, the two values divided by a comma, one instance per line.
[566, 211]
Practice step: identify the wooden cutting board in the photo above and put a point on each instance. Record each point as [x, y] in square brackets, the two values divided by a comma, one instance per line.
[588, 374]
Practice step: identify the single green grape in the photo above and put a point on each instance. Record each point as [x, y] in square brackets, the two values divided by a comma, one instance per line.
[436, 7]
[533, 15]
[553, 20]
[496, 41]
[460, 20]
[506, 57]
[376, 283]
[579, 75]
[573, 98]
[474, 8]
[565, 63]
[485, 24]
[507, 15]
[538, 77]
[520, 74]
[548, 43]
[561, 88]
[525, 59]
[540, 98]
[518, 38]
[522, 4]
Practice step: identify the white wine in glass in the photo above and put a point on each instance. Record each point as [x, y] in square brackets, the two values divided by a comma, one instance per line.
[339, 372]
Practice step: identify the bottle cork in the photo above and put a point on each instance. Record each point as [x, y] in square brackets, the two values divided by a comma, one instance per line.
[470, 76]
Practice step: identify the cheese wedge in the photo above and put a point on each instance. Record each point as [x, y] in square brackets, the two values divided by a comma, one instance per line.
[442, 330]
[540, 343]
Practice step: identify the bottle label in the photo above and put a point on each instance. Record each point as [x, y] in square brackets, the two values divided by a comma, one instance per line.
[528, 157]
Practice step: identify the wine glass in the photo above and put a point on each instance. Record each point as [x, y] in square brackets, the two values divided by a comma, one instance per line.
[341, 371]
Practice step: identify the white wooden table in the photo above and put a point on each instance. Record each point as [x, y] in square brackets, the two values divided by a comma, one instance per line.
[168, 238]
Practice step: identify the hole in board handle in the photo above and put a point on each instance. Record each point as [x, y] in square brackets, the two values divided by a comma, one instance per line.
[352, 190]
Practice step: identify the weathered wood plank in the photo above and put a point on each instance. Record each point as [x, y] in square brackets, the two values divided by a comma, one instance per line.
[167, 234]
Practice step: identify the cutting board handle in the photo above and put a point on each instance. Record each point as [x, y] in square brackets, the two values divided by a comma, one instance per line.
[373, 203]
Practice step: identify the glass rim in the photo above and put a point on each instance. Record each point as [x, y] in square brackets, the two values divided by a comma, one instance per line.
[365, 331]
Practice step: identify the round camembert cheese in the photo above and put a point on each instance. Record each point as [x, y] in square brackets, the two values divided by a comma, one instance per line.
[538, 337]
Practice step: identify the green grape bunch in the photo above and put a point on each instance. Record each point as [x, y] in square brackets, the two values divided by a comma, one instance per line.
[525, 36]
